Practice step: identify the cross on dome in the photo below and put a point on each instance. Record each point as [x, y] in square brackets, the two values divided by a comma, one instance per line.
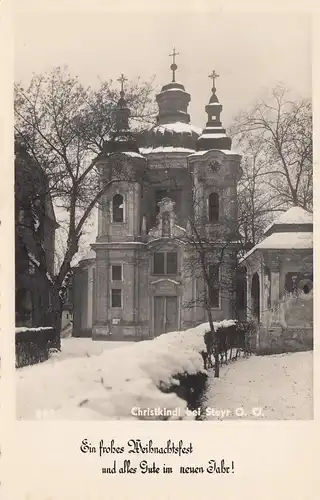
[173, 66]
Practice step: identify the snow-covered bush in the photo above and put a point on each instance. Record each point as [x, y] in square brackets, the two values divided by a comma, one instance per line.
[122, 383]
[32, 345]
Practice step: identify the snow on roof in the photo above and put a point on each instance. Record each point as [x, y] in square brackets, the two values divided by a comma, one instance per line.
[284, 241]
[214, 128]
[21, 329]
[176, 89]
[224, 151]
[295, 215]
[212, 136]
[287, 240]
[132, 154]
[166, 149]
[177, 127]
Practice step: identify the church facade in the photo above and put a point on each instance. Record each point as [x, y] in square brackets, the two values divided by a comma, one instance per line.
[174, 182]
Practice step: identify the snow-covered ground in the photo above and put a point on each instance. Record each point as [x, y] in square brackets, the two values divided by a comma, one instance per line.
[280, 385]
[105, 380]
[72, 347]
[80, 383]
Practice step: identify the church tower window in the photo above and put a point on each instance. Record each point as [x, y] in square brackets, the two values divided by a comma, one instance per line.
[117, 208]
[116, 272]
[213, 207]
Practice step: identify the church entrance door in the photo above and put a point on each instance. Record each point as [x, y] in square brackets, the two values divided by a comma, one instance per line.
[165, 314]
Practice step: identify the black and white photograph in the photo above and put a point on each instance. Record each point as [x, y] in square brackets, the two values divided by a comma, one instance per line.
[163, 215]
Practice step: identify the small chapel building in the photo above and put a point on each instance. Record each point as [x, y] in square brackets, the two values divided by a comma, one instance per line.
[279, 275]
[132, 286]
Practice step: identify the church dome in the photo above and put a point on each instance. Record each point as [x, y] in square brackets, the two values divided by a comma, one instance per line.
[173, 128]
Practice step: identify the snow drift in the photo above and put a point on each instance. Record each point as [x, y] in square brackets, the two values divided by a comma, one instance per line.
[109, 385]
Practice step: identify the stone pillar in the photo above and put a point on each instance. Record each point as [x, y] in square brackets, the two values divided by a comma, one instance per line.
[266, 291]
[90, 297]
[262, 306]
[249, 298]
[102, 289]
[282, 279]
[275, 290]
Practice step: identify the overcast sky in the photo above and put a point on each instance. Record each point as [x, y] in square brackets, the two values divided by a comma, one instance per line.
[249, 51]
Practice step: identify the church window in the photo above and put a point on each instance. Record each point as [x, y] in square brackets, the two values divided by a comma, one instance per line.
[116, 272]
[117, 208]
[165, 263]
[158, 263]
[213, 207]
[214, 288]
[116, 297]
[172, 263]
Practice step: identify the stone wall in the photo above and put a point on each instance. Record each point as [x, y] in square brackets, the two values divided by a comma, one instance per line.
[294, 331]
[275, 340]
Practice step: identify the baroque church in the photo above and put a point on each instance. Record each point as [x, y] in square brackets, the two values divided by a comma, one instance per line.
[133, 285]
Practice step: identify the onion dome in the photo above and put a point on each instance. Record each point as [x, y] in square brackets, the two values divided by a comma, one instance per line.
[213, 135]
[173, 129]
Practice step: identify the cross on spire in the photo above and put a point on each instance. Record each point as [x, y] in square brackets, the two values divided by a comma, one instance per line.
[122, 79]
[173, 66]
[214, 75]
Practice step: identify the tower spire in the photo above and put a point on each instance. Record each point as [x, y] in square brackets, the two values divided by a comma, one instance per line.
[213, 135]
[213, 76]
[122, 112]
[173, 66]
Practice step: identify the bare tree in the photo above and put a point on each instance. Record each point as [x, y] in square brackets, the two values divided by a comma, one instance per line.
[275, 138]
[210, 256]
[63, 127]
[257, 203]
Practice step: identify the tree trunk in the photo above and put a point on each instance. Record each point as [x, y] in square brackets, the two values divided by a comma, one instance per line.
[56, 319]
[215, 343]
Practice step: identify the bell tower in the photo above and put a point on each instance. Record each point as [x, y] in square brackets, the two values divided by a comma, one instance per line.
[118, 246]
[122, 169]
[216, 171]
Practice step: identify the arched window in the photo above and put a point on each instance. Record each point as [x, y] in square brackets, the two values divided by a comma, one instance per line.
[213, 207]
[117, 208]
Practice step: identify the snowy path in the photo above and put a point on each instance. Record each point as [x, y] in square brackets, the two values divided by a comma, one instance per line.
[281, 385]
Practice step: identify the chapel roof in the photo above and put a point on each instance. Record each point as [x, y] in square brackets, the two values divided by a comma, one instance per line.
[292, 230]
[295, 216]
